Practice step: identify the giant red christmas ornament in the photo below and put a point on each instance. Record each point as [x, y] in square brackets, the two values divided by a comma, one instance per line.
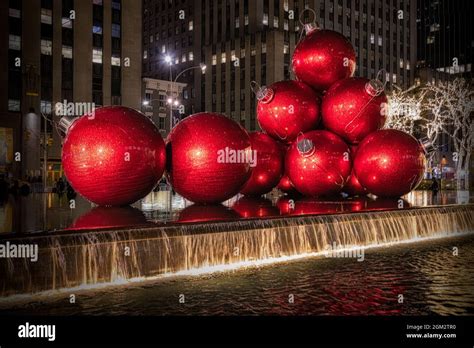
[353, 186]
[389, 163]
[208, 158]
[318, 163]
[322, 58]
[287, 108]
[268, 166]
[114, 156]
[285, 185]
[354, 107]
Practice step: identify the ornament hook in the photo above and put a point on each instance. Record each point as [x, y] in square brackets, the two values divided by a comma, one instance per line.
[263, 94]
[312, 25]
[65, 123]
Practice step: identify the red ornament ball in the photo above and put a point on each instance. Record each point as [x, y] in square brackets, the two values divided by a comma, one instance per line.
[322, 58]
[113, 156]
[318, 163]
[354, 107]
[285, 185]
[287, 108]
[267, 167]
[390, 163]
[208, 158]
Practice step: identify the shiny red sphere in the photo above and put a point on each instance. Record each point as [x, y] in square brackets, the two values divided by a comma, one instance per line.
[323, 167]
[351, 111]
[268, 167]
[285, 185]
[322, 58]
[389, 163]
[114, 156]
[288, 108]
[208, 158]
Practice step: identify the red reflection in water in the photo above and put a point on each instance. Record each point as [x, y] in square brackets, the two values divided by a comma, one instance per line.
[387, 203]
[248, 207]
[204, 213]
[107, 217]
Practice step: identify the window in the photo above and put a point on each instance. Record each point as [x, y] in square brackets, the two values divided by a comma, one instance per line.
[191, 25]
[46, 16]
[46, 47]
[14, 42]
[223, 58]
[45, 107]
[145, 54]
[115, 61]
[13, 12]
[265, 19]
[214, 59]
[286, 49]
[115, 30]
[237, 22]
[163, 49]
[97, 55]
[191, 56]
[97, 2]
[97, 29]
[116, 4]
[183, 58]
[151, 38]
[13, 105]
[275, 21]
[66, 22]
[67, 52]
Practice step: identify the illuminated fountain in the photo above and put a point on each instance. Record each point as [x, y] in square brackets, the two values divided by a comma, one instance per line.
[73, 259]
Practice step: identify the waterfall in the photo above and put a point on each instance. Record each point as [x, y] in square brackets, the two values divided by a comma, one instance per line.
[81, 259]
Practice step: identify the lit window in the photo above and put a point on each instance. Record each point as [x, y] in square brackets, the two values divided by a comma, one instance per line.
[13, 105]
[13, 12]
[183, 58]
[394, 78]
[176, 60]
[151, 38]
[67, 52]
[232, 55]
[246, 20]
[265, 19]
[253, 52]
[115, 61]
[46, 16]
[97, 29]
[115, 30]
[223, 58]
[191, 56]
[163, 49]
[285, 25]
[191, 25]
[285, 5]
[407, 65]
[46, 47]
[97, 2]
[372, 39]
[401, 63]
[242, 53]
[237, 22]
[45, 107]
[214, 59]
[145, 54]
[264, 47]
[116, 5]
[275, 21]
[286, 49]
[430, 39]
[97, 55]
[380, 41]
[66, 22]
[14, 42]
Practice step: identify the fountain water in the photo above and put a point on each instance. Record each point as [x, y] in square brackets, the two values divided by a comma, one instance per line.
[77, 260]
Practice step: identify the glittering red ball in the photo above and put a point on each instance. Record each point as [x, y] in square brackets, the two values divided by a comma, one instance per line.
[354, 107]
[287, 108]
[322, 58]
[390, 163]
[114, 156]
[209, 158]
[318, 163]
[268, 166]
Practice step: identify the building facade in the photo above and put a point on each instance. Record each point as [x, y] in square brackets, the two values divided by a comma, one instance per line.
[161, 102]
[85, 52]
[252, 40]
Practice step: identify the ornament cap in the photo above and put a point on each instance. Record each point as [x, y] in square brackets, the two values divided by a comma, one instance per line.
[263, 94]
[310, 27]
[305, 147]
[65, 123]
[374, 87]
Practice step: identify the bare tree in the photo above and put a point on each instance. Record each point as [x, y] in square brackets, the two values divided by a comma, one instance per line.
[404, 109]
[450, 105]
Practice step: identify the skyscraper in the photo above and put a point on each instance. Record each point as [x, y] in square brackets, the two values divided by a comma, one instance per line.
[73, 51]
[252, 40]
